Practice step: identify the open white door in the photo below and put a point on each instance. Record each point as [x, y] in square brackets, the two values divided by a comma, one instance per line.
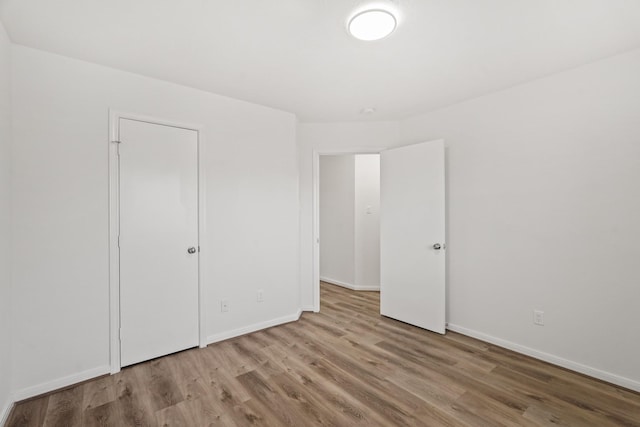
[158, 240]
[412, 232]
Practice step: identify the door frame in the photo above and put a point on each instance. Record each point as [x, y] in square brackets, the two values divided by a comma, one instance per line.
[114, 227]
[315, 243]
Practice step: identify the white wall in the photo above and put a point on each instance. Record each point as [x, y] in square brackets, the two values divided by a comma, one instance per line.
[367, 221]
[5, 223]
[60, 179]
[543, 187]
[337, 219]
[544, 213]
[330, 138]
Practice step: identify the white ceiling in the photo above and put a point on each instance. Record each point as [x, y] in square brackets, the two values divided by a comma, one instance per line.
[296, 55]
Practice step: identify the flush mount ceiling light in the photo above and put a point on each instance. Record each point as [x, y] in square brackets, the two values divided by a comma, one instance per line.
[373, 24]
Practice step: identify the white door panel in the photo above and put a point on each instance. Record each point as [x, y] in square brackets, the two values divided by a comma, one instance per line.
[158, 223]
[412, 220]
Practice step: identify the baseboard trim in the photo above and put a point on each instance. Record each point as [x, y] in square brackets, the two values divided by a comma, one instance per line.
[4, 415]
[59, 383]
[308, 308]
[253, 328]
[349, 285]
[550, 358]
[70, 380]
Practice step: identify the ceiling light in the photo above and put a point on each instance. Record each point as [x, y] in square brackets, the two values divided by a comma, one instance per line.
[374, 24]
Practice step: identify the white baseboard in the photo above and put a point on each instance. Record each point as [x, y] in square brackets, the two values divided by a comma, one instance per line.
[308, 308]
[4, 415]
[349, 285]
[56, 384]
[253, 328]
[102, 370]
[338, 282]
[550, 358]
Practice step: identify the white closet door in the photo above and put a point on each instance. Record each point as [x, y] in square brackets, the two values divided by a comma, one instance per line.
[158, 240]
[412, 232]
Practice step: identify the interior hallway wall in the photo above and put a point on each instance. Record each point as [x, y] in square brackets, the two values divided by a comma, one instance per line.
[5, 223]
[337, 219]
[367, 221]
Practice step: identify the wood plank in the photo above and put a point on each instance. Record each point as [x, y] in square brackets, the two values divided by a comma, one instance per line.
[29, 413]
[344, 366]
[333, 397]
[106, 415]
[98, 392]
[133, 399]
[157, 378]
[65, 408]
[185, 372]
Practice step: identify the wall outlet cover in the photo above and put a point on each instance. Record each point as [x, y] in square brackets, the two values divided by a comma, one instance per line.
[538, 317]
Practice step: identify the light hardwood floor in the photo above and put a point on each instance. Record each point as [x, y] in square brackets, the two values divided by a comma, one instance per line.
[344, 366]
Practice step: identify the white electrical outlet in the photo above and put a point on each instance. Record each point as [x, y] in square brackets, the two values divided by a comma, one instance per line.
[224, 305]
[260, 296]
[538, 317]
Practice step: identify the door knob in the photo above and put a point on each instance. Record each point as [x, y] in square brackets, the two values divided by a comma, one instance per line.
[437, 246]
[191, 250]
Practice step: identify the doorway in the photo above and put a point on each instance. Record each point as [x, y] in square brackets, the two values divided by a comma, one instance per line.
[349, 221]
[155, 202]
[412, 234]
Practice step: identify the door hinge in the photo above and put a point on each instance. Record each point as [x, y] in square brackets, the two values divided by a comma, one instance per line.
[116, 142]
[118, 240]
[120, 334]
